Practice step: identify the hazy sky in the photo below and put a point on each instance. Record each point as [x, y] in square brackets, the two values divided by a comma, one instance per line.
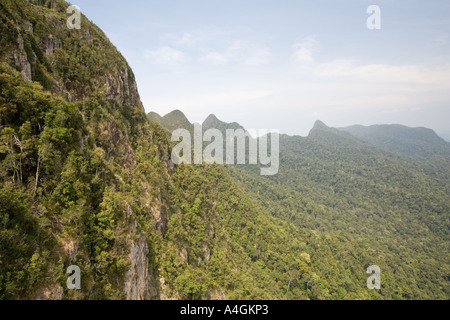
[282, 64]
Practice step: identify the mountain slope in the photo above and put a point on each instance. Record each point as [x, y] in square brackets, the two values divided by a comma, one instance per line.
[366, 206]
[411, 141]
[153, 116]
[357, 204]
[71, 147]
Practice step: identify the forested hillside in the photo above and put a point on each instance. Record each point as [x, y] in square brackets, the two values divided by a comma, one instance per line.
[359, 204]
[411, 141]
[365, 204]
[86, 179]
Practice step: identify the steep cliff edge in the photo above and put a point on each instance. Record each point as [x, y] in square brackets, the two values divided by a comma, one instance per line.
[79, 153]
[72, 63]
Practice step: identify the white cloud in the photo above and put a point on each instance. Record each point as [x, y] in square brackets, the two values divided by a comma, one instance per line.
[258, 57]
[304, 50]
[186, 39]
[241, 52]
[165, 56]
[215, 58]
[384, 73]
[181, 40]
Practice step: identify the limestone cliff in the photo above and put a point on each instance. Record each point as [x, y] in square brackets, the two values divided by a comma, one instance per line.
[77, 65]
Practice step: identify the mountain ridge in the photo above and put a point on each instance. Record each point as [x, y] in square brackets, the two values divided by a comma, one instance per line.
[346, 136]
[410, 141]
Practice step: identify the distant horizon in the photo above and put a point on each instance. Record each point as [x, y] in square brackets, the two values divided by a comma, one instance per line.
[270, 64]
[281, 131]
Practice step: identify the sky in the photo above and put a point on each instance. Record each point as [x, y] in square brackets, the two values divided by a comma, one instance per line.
[283, 64]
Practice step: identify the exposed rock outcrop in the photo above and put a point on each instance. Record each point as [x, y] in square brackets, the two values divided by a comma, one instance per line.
[29, 26]
[21, 59]
[137, 279]
[51, 44]
[122, 87]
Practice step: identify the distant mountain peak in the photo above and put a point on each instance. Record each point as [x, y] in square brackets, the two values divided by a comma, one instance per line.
[321, 132]
[212, 117]
[176, 114]
[153, 116]
[174, 120]
[212, 121]
[320, 125]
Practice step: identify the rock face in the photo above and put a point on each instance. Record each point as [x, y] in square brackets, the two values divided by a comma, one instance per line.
[29, 26]
[31, 49]
[51, 44]
[21, 59]
[122, 87]
[33, 53]
[137, 279]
